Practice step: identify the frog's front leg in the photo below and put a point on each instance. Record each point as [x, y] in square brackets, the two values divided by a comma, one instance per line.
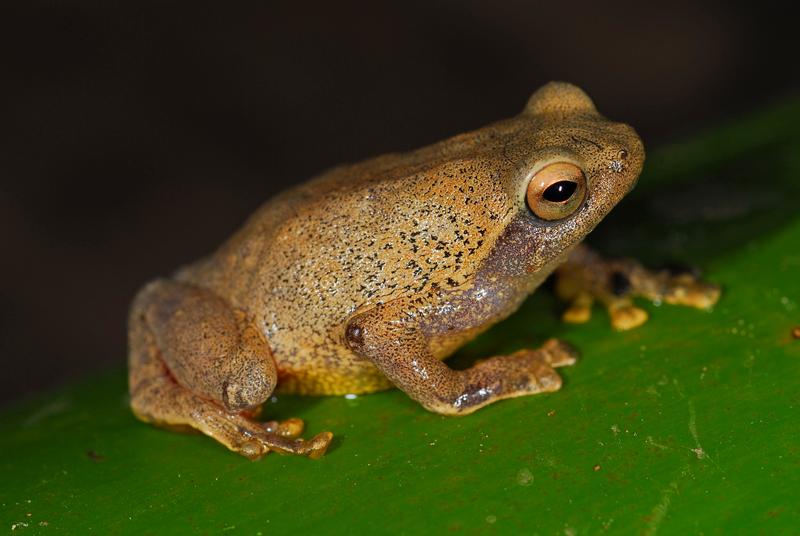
[587, 276]
[397, 341]
[195, 363]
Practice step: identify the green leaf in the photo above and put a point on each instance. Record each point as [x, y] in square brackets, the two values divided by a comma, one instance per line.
[686, 425]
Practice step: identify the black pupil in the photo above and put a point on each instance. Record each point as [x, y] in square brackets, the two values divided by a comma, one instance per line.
[560, 191]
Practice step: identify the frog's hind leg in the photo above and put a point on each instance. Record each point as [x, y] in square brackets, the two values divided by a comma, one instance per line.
[195, 364]
[587, 276]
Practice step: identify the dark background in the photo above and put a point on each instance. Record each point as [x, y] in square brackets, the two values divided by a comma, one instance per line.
[136, 137]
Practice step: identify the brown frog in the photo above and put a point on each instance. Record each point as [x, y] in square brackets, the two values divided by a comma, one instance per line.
[371, 274]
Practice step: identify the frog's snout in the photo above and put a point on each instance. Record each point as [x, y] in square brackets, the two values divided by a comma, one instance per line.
[630, 157]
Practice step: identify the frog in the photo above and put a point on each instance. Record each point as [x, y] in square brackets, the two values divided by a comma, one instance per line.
[370, 275]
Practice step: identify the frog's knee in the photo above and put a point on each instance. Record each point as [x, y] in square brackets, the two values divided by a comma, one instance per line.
[247, 385]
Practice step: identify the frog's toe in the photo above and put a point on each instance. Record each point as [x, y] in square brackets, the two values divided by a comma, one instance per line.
[625, 315]
[289, 428]
[313, 448]
[259, 442]
[252, 449]
[557, 353]
[686, 290]
[318, 445]
[580, 310]
[548, 381]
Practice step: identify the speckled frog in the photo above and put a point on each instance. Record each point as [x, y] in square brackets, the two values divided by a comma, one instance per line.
[371, 274]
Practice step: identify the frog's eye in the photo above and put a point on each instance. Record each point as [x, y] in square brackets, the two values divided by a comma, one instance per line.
[556, 191]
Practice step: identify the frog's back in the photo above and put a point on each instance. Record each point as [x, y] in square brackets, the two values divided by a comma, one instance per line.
[356, 236]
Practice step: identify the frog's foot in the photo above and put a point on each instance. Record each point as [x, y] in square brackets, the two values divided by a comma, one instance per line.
[163, 402]
[587, 277]
[522, 373]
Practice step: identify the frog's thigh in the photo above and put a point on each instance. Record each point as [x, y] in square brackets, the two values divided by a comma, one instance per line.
[167, 383]
[390, 338]
[209, 349]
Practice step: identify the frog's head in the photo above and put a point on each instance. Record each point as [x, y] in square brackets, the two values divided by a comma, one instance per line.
[584, 164]
[571, 166]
